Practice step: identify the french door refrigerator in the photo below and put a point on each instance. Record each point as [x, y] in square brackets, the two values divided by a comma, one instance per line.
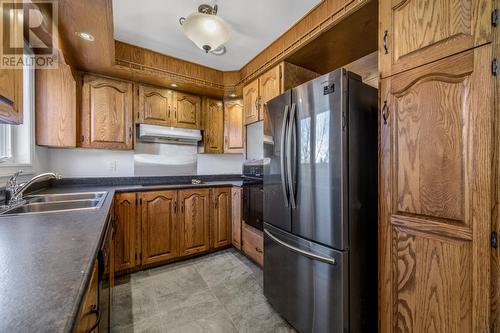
[320, 205]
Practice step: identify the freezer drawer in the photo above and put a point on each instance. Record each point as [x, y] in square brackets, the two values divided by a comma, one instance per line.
[306, 283]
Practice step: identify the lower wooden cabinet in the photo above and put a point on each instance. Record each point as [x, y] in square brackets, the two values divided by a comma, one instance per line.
[125, 207]
[221, 217]
[194, 221]
[252, 243]
[236, 214]
[159, 226]
[88, 313]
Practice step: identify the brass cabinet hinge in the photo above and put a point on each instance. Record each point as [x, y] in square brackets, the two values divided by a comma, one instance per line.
[494, 67]
[494, 17]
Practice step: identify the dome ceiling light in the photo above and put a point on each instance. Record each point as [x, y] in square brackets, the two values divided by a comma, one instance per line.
[206, 30]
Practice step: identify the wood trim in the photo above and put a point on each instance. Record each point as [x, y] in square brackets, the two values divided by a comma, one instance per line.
[311, 26]
[117, 59]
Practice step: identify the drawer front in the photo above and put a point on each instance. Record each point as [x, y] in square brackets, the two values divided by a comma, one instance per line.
[253, 243]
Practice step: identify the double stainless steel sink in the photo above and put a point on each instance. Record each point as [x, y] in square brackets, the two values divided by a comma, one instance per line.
[41, 203]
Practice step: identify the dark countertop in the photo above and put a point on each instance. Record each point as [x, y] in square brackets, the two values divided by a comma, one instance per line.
[46, 259]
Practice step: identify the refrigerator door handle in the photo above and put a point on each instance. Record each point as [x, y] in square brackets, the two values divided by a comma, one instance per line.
[315, 256]
[291, 126]
[282, 156]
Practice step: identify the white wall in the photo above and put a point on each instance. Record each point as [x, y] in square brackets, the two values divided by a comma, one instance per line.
[212, 164]
[255, 140]
[91, 162]
[116, 163]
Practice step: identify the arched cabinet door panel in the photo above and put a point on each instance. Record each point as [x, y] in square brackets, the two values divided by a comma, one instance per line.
[194, 221]
[251, 102]
[234, 127]
[221, 217]
[187, 111]
[106, 114]
[435, 196]
[159, 226]
[125, 209]
[154, 105]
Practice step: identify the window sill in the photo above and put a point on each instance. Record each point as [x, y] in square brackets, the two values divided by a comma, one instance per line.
[8, 169]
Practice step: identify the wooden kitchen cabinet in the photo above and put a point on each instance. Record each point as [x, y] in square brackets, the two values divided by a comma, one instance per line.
[213, 134]
[252, 243]
[272, 83]
[55, 107]
[194, 221]
[155, 105]
[11, 96]
[187, 111]
[414, 32]
[88, 312]
[270, 86]
[435, 208]
[159, 226]
[234, 127]
[126, 217]
[221, 217]
[236, 216]
[251, 102]
[106, 113]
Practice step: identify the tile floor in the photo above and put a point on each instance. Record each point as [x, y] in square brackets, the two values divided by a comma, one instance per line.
[220, 293]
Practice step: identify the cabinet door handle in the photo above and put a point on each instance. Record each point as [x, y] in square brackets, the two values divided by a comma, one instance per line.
[385, 112]
[257, 103]
[130, 133]
[385, 42]
[94, 310]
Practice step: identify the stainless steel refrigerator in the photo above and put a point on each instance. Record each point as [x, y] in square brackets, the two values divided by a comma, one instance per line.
[320, 205]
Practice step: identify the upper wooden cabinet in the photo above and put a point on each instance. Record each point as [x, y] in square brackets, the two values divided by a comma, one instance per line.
[11, 96]
[55, 107]
[436, 148]
[221, 217]
[417, 32]
[194, 221]
[154, 105]
[106, 114]
[251, 102]
[125, 210]
[234, 127]
[213, 134]
[269, 85]
[159, 226]
[187, 111]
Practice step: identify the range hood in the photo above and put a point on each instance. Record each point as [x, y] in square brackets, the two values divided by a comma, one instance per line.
[163, 134]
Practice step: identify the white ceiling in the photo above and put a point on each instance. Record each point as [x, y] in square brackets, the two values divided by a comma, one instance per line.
[154, 24]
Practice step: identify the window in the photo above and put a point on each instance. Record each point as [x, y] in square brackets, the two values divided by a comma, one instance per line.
[5, 143]
[17, 141]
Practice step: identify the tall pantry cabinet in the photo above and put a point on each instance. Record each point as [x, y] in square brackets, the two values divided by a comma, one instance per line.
[436, 155]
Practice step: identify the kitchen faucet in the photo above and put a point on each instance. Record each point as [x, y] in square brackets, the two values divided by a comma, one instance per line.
[15, 191]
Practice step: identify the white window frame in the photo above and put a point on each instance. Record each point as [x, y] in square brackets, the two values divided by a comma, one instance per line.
[8, 168]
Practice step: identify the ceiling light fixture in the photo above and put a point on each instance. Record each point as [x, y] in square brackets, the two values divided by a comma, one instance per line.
[173, 85]
[232, 95]
[85, 36]
[206, 30]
